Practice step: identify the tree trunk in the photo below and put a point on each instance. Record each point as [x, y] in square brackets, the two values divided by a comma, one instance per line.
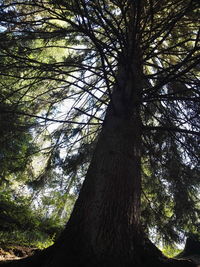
[104, 225]
[104, 228]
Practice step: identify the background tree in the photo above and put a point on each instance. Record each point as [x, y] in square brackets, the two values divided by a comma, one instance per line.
[135, 66]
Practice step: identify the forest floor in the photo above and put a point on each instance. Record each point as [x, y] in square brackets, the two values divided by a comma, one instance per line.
[9, 253]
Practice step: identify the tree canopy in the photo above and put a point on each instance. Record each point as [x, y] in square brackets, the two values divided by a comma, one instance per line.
[60, 64]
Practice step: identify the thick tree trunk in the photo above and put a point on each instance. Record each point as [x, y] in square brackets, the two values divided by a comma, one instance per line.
[104, 228]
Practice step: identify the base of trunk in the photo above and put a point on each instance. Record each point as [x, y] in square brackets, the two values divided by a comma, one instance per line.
[146, 255]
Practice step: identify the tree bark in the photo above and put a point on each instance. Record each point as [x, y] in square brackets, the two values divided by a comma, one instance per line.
[104, 225]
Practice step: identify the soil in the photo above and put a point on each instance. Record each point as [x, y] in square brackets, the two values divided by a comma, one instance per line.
[9, 253]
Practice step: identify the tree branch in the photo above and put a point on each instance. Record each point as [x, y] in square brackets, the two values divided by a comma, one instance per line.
[48, 119]
[170, 129]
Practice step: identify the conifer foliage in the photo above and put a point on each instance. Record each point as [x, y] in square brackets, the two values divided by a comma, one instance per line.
[112, 69]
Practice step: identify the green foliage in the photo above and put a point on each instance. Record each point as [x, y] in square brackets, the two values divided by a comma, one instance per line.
[16, 143]
[171, 251]
[170, 191]
[60, 63]
[21, 224]
[34, 239]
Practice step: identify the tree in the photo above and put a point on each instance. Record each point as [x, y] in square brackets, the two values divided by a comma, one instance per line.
[137, 70]
[16, 140]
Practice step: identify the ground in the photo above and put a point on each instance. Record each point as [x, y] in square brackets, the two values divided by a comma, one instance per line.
[9, 252]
